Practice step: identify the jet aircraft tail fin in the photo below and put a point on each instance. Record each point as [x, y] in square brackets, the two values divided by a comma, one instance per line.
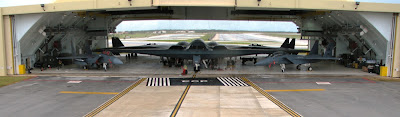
[329, 48]
[86, 47]
[73, 51]
[116, 42]
[314, 49]
[285, 44]
[292, 43]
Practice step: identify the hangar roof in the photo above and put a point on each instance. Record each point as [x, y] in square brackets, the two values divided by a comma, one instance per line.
[93, 5]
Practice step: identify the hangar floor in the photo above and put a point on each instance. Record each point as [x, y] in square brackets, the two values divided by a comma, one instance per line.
[150, 65]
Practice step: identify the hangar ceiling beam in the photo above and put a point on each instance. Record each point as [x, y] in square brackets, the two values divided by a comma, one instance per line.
[317, 5]
[83, 5]
[93, 5]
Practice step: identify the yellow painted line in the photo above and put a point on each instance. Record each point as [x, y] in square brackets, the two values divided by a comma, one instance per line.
[178, 105]
[115, 98]
[273, 99]
[75, 92]
[289, 90]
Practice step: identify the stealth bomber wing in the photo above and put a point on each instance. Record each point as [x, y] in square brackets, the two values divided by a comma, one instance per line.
[198, 50]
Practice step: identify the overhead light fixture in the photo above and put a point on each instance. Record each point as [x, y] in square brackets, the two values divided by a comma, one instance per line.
[42, 5]
[130, 2]
[357, 4]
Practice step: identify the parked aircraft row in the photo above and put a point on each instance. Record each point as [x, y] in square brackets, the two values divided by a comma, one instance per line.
[198, 51]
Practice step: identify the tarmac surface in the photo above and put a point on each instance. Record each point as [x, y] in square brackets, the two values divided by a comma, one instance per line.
[335, 96]
[143, 86]
[43, 96]
[308, 95]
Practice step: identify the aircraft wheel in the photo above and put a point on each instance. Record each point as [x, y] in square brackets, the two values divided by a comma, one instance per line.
[309, 68]
[283, 70]
[298, 67]
[84, 67]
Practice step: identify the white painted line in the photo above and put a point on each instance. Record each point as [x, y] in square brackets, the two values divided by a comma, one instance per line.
[225, 81]
[149, 82]
[165, 82]
[240, 80]
[203, 81]
[156, 83]
[220, 80]
[74, 81]
[237, 81]
[323, 83]
[230, 81]
[168, 82]
[152, 82]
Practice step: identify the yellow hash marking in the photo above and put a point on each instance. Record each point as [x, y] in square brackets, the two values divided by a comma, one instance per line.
[288, 90]
[75, 92]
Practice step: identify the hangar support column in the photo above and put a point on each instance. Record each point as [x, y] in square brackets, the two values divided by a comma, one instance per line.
[396, 51]
[3, 71]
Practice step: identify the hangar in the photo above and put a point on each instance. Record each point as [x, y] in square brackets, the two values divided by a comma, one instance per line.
[30, 33]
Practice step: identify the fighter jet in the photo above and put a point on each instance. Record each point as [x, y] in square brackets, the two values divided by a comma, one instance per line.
[283, 58]
[90, 60]
[197, 50]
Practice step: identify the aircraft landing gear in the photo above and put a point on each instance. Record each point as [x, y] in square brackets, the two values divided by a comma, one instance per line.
[105, 66]
[309, 68]
[196, 67]
[282, 67]
[298, 67]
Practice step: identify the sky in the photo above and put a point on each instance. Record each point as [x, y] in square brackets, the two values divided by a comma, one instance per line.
[193, 24]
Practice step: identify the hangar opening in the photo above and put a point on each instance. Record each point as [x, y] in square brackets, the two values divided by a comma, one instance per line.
[360, 37]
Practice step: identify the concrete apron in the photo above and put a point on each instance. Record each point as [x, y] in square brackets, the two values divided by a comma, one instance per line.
[200, 101]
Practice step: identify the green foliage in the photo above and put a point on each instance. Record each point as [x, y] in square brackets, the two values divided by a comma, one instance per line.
[134, 35]
[7, 80]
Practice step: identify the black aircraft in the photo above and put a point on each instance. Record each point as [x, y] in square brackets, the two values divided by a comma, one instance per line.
[287, 58]
[197, 50]
[90, 60]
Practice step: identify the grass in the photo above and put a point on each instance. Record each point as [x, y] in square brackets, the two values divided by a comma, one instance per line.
[283, 35]
[207, 36]
[386, 79]
[187, 40]
[7, 80]
[135, 35]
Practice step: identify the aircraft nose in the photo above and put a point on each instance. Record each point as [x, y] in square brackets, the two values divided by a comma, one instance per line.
[117, 61]
[263, 62]
[259, 64]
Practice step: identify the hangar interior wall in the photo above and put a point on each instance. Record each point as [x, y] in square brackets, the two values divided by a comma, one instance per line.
[368, 30]
[38, 36]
